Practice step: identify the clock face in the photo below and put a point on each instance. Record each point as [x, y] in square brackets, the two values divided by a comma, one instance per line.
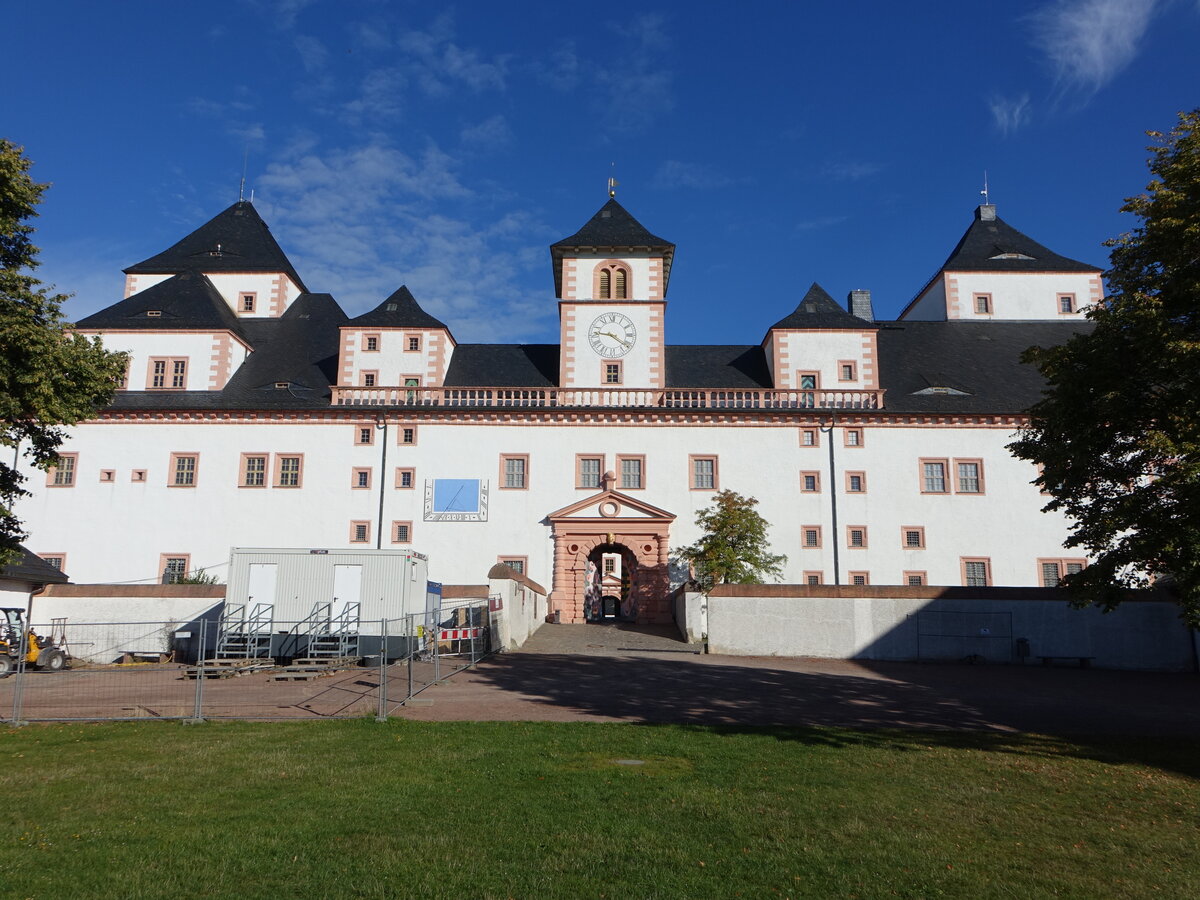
[612, 335]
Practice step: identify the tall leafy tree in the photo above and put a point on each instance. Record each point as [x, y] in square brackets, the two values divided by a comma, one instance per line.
[1118, 432]
[734, 546]
[49, 377]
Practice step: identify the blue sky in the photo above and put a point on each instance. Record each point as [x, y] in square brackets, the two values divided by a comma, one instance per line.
[447, 146]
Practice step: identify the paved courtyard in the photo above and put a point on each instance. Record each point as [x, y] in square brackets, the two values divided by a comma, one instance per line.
[616, 674]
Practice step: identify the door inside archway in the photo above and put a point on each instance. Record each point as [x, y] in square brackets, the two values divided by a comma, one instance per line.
[612, 577]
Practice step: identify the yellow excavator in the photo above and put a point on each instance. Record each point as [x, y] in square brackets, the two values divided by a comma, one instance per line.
[46, 653]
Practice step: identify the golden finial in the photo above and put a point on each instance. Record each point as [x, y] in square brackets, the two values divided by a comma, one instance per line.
[612, 182]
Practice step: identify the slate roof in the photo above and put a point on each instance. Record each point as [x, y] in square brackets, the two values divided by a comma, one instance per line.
[185, 302]
[33, 569]
[235, 240]
[300, 349]
[817, 309]
[512, 365]
[987, 238]
[981, 359]
[717, 367]
[611, 228]
[400, 310]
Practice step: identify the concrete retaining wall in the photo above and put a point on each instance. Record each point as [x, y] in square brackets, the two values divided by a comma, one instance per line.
[900, 623]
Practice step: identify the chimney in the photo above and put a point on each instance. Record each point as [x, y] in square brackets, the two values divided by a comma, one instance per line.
[986, 212]
[860, 305]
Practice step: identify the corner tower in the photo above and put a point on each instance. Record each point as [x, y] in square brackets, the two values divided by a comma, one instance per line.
[611, 278]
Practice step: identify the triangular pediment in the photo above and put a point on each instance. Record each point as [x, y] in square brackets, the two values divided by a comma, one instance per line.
[611, 506]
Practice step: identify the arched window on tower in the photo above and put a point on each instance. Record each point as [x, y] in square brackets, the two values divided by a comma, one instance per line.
[612, 282]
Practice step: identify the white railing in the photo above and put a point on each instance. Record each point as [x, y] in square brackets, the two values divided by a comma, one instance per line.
[759, 398]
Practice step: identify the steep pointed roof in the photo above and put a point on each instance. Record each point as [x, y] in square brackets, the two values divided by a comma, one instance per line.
[818, 310]
[611, 228]
[992, 245]
[187, 302]
[400, 310]
[236, 240]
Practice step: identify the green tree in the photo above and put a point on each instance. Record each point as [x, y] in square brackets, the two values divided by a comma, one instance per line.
[49, 377]
[1118, 432]
[733, 548]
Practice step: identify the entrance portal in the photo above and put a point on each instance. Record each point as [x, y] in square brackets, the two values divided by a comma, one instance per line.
[609, 594]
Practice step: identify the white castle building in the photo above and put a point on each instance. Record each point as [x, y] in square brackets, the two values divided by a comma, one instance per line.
[256, 413]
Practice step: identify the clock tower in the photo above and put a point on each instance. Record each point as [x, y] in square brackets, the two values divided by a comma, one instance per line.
[610, 278]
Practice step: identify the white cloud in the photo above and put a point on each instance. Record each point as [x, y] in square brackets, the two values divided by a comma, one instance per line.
[1089, 41]
[360, 221]
[490, 134]
[313, 54]
[437, 63]
[636, 87]
[562, 70]
[819, 222]
[675, 174]
[1010, 113]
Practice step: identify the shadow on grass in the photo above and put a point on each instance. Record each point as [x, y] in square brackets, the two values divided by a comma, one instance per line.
[996, 707]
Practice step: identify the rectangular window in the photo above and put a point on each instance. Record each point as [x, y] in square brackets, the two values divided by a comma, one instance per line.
[172, 566]
[915, 579]
[588, 470]
[183, 469]
[847, 370]
[1066, 304]
[613, 373]
[810, 482]
[55, 560]
[810, 536]
[633, 475]
[406, 478]
[364, 435]
[856, 482]
[853, 437]
[360, 479]
[288, 470]
[610, 565]
[808, 381]
[912, 537]
[407, 435]
[704, 473]
[516, 563]
[983, 304]
[1053, 570]
[254, 470]
[933, 476]
[970, 476]
[814, 578]
[63, 474]
[413, 342]
[856, 537]
[976, 572]
[514, 471]
[137, 475]
[369, 378]
[108, 475]
[402, 532]
[810, 437]
[370, 343]
[360, 532]
[859, 577]
[248, 302]
[167, 373]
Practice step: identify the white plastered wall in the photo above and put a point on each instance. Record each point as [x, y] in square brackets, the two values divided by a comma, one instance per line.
[1020, 296]
[823, 352]
[638, 366]
[643, 285]
[393, 362]
[203, 351]
[116, 531]
[232, 285]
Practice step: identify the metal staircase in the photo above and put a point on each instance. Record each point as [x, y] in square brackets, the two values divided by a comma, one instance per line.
[245, 636]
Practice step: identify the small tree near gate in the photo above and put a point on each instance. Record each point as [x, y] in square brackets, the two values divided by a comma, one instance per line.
[734, 546]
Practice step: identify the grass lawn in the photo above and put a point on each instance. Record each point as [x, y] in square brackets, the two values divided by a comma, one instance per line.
[536, 810]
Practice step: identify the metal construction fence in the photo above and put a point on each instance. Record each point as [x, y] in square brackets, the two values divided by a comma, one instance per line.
[199, 670]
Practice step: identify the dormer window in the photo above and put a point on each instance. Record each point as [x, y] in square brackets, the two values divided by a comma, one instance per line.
[154, 313]
[248, 302]
[983, 304]
[612, 282]
[1010, 254]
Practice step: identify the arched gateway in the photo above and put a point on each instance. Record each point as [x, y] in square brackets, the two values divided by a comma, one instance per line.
[611, 526]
